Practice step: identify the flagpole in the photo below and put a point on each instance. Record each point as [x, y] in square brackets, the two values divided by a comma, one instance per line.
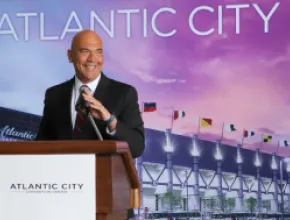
[278, 145]
[142, 109]
[198, 127]
[261, 144]
[243, 137]
[172, 119]
[222, 131]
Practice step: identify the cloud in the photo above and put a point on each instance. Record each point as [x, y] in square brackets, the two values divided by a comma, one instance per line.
[266, 131]
[148, 78]
[209, 41]
[237, 86]
[138, 62]
[238, 93]
[277, 60]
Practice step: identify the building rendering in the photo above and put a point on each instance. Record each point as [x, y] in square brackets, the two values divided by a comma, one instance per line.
[190, 176]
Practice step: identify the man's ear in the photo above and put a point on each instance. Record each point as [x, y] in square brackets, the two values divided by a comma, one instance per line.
[69, 56]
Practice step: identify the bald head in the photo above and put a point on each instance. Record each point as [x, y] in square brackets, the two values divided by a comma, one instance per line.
[85, 36]
[86, 54]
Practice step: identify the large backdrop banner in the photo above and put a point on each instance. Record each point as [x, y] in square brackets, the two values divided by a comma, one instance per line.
[212, 71]
[223, 64]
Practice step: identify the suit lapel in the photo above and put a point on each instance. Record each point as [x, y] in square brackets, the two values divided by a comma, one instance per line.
[100, 92]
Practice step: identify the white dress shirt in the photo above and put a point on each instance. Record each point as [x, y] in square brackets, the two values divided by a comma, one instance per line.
[75, 95]
[76, 92]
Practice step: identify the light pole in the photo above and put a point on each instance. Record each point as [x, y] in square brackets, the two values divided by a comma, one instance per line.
[258, 165]
[239, 161]
[187, 217]
[219, 159]
[281, 186]
[195, 152]
[275, 167]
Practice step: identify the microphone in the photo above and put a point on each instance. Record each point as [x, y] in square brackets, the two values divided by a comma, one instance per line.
[83, 108]
[81, 104]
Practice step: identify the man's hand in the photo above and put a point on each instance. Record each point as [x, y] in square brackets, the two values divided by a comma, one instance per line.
[98, 111]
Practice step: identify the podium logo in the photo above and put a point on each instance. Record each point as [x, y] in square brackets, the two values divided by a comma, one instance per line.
[12, 132]
[47, 187]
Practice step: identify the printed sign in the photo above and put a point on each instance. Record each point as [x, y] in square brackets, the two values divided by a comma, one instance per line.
[47, 187]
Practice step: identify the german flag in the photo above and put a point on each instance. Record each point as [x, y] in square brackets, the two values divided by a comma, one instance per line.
[205, 122]
[267, 138]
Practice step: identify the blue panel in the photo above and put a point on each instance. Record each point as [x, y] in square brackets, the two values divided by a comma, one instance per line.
[154, 151]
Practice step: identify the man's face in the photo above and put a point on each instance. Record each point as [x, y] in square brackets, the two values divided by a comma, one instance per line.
[87, 57]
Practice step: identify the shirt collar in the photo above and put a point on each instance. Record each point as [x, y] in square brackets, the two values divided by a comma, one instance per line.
[92, 85]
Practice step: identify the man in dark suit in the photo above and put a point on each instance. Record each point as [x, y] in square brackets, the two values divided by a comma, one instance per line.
[113, 105]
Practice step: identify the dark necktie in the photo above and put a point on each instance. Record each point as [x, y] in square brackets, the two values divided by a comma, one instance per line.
[79, 117]
[78, 123]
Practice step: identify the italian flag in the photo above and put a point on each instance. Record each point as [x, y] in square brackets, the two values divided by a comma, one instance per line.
[178, 114]
[248, 133]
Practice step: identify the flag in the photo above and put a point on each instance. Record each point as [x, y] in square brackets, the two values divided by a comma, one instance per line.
[149, 107]
[248, 133]
[267, 138]
[229, 127]
[178, 114]
[284, 143]
[205, 122]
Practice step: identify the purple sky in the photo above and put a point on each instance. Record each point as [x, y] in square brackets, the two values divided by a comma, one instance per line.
[240, 79]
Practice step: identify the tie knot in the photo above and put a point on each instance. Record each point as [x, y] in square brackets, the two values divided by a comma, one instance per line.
[84, 88]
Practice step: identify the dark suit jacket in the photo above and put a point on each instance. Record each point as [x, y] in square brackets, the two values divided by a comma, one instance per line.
[119, 98]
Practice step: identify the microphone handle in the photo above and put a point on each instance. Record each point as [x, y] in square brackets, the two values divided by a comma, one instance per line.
[95, 126]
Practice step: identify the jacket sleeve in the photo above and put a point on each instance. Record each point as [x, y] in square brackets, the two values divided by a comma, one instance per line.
[43, 133]
[130, 126]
